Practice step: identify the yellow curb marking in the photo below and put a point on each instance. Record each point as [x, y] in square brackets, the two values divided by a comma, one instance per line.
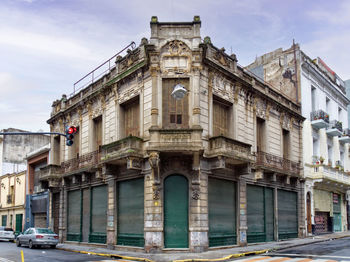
[108, 255]
[224, 258]
[22, 256]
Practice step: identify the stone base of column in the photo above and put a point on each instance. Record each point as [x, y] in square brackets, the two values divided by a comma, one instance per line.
[153, 241]
[242, 237]
[111, 239]
[199, 241]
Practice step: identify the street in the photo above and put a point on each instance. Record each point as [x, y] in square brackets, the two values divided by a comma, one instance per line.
[333, 250]
[9, 252]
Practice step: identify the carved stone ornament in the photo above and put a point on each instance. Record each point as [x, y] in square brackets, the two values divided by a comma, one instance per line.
[285, 121]
[221, 57]
[156, 193]
[261, 108]
[154, 163]
[195, 195]
[177, 47]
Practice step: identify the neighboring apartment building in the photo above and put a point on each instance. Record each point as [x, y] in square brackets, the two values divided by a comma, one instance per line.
[14, 148]
[325, 132]
[12, 197]
[220, 165]
[37, 193]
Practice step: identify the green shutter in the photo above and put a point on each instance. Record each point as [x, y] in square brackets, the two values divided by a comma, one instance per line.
[74, 216]
[336, 203]
[287, 214]
[222, 212]
[98, 214]
[4, 220]
[260, 214]
[130, 213]
[336, 212]
[19, 221]
[176, 212]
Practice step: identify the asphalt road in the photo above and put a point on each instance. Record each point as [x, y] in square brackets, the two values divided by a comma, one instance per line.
[9, 252]
[337, 249]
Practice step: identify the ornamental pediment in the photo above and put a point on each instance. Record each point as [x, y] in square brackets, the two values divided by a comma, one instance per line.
[176, 57]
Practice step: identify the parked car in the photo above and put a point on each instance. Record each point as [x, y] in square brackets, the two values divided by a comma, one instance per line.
[37, 237]
[7, 233]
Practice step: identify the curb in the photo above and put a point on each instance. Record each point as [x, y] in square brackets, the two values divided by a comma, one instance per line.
[107, 255]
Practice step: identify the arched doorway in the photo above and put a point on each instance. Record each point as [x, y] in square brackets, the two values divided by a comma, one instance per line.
[176, 212]
[308, 212]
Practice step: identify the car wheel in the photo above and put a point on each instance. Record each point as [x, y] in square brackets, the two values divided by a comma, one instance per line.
[18, 243]
[53, 246]
[31, 244]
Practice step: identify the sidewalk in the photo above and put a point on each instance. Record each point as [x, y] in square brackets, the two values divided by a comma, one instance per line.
[211, 255]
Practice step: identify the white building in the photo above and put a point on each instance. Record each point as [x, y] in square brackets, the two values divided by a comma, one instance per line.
[325, 131]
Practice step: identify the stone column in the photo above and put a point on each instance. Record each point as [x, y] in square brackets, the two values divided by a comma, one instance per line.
[199, 223]
[301, 208]
[154, 109]
[153, 227]
[63, 214]
[111, 212]
[196, 97]
[242, 200]
[275, 191]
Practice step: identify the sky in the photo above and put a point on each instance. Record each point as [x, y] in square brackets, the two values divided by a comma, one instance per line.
[47, 45]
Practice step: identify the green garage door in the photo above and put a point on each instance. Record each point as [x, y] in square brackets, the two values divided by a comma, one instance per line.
[130, 213]
[74, 216]
[176, 212]
[98, 214]
[222, 212]
[287, 214]
[260, 214]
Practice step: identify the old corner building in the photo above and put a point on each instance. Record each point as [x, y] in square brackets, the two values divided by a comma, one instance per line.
[219, 166]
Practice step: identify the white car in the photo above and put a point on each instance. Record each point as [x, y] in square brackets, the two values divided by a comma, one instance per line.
[7, 233]
[37, 237]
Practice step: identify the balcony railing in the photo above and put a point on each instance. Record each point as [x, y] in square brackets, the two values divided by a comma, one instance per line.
[129, 146]
[85, 161]
[318, 115]
[49, 171]
[276, 162]
[228, 147]
[332, 174]
[335, 128]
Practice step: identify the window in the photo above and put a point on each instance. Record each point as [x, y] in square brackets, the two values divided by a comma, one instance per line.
[221, 112]
[56, 150]
[315, 145]
[313, 98]
[286, 143]
[97, 133]
[328, 102]
[175, 112]
[260, 135]
[132, 117]
[330, 155]
[340, 114]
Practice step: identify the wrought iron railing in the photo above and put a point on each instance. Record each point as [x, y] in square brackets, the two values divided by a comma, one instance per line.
[84, 161]
[9, 199]
[346, 132]
[319, 114]
[276, 162]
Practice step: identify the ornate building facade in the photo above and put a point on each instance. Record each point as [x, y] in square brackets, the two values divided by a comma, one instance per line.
[219, 166]
[326, 135]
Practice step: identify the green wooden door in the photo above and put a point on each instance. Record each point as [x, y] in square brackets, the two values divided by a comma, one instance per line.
[74, 216]
[19, 221]
[260, 214]
[176, 212]
[4, 220]
[287, 214]
[98, 215]
[222, 212]
[130, 197]
[336, 213]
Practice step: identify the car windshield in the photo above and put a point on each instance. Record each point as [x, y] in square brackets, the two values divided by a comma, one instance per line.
[44, 231]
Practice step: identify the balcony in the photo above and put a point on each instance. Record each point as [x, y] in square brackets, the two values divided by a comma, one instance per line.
[277, 163]
[48, 172]
[230, 148]
[129, 147]
[319, 119]
[335, 128]
[175, 140]
[345, 138]
[81, 163]
[330, 176]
